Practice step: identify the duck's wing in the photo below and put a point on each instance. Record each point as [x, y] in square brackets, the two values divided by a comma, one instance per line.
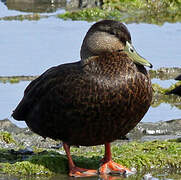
[53, 78]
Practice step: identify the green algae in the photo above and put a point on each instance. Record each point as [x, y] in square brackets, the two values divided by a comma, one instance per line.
[129, 11]
[140, 155]
[90, 14]
[25, 168]
[165, 73]
[6, 156]
[158, 89]
[161, 73]
[6, 137]
[30, 17]
[16, 79]
[161, 97]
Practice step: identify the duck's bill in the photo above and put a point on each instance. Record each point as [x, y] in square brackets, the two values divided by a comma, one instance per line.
[136, 58]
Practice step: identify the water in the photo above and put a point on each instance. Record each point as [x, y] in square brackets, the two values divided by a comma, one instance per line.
[30, 47]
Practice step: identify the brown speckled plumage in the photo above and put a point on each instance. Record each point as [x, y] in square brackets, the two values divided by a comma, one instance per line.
[90, 102]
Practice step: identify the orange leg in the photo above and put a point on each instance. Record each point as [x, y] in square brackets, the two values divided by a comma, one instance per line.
[76, 171]
[108, 166]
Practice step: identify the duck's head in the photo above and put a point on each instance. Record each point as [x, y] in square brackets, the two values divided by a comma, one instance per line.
[110, 36]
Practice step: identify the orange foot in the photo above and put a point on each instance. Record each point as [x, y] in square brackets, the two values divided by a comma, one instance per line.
[111, 167]
[81, 172]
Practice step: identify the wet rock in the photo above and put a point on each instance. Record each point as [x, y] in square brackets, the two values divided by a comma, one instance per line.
[7, 125]
[26, 151]
[57, 146]
[172, 127]
[36, 6]
[79, 4]
[165, 73]
[163, 130]
[143, 131]
[147, 177]
[39, 6]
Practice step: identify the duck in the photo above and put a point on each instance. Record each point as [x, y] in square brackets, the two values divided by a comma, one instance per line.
[176, 90]
[94, 101]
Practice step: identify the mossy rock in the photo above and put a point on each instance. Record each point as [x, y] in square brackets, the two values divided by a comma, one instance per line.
[142, 156]
[6, 137]
[30, 17]
[157, 88]
[129, 11]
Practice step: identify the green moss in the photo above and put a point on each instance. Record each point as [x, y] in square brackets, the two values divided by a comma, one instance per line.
[165, 73]
[30, 17]
[142, 156]
[41, 164]
[90, 14]
[178, 140]
[6, 156]
[53, 161]
[25, 168]
[172, 100]
[6, 137]
[10, 80]
[128, 11]
[158, 89]
[156, 154]
[160, 97]
[16, 79]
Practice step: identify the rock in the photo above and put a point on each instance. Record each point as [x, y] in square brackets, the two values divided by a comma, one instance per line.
[7, 125]
[26, 151]
[79, 4]
[143, 131]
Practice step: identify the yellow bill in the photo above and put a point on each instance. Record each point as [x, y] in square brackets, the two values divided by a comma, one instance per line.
[136, 58]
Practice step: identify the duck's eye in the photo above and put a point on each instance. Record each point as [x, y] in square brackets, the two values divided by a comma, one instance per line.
[131, 50]
[119, 50]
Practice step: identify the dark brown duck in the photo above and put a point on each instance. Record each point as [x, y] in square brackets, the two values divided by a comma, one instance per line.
[93, 101]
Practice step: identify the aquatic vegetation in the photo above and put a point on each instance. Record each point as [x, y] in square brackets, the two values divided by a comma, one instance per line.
[6, 137]
[90, 14]
[161, 73]
[160, 97]
[165, 73]
[158, 89]
[173, 100]
[129, 11]
[16, 79]
[141, 155]
[30, 17]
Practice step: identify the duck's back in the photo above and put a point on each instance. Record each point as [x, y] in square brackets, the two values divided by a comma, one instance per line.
[87, 104]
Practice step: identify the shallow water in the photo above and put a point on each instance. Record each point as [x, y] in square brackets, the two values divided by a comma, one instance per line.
[167, 175]
[30, 47]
